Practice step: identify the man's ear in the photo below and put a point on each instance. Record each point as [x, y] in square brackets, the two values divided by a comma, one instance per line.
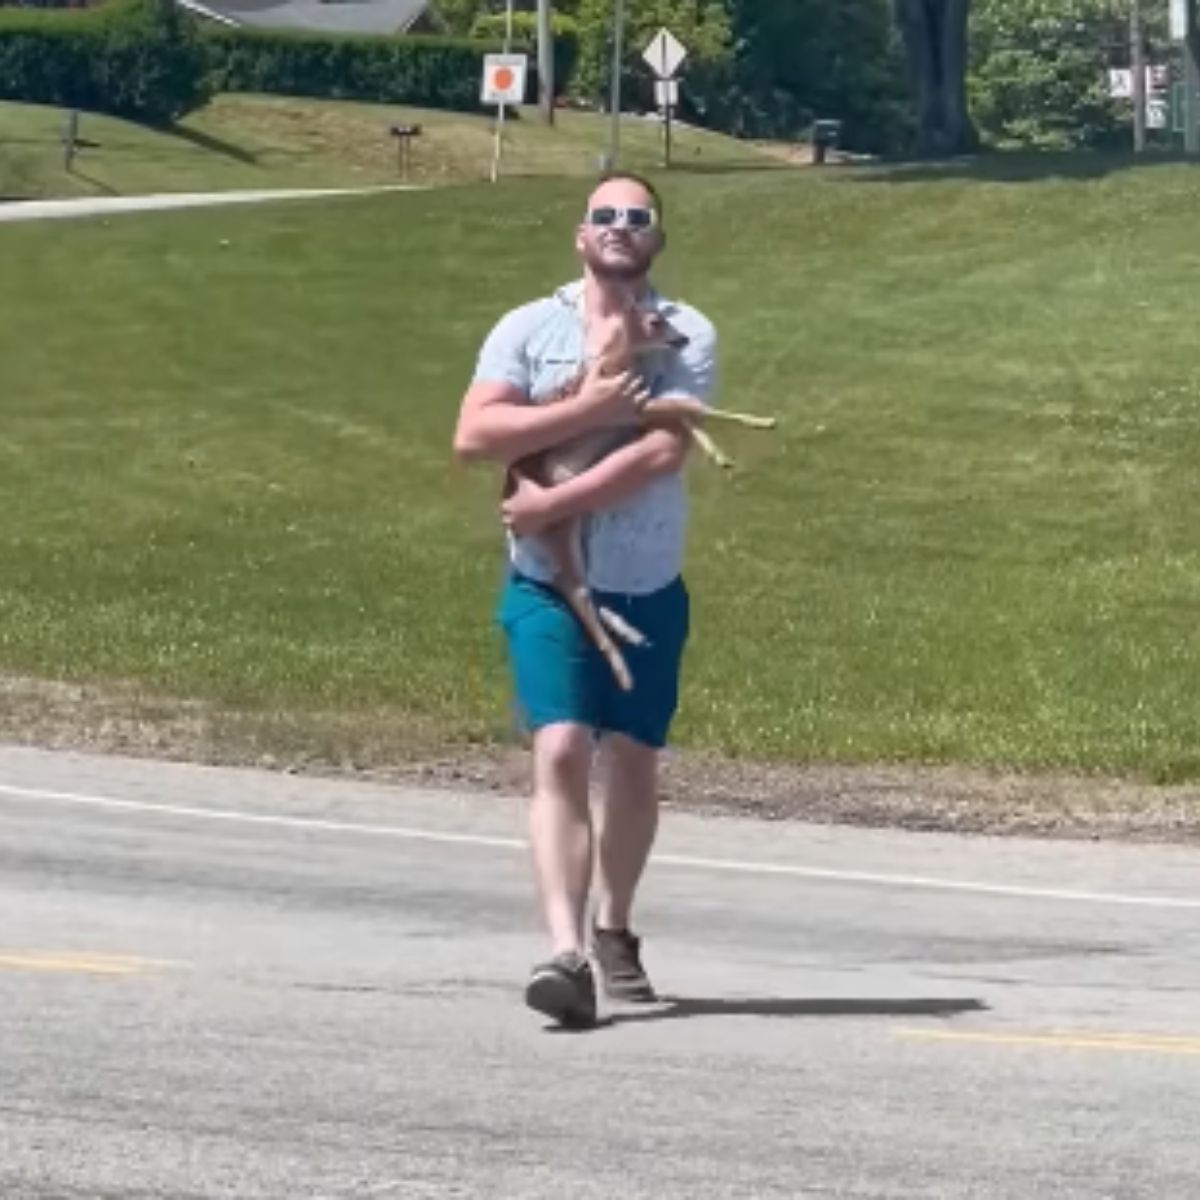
[662, 239]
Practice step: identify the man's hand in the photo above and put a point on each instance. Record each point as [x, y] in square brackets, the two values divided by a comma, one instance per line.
[611, 401]
[526, 510]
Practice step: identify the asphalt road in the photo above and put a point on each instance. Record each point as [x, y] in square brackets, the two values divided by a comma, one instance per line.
[235, 984]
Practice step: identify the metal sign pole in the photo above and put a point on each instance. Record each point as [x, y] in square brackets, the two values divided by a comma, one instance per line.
[614, 142]
[71, 138]
[1137, 56]
[545, 40]
[1191, 75]
[664, 55]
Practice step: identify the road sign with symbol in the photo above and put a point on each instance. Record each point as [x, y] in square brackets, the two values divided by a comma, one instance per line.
[665, 54]
[504, 79]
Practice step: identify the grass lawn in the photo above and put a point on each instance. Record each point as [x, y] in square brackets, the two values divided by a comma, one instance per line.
[974, 539]
[242, 141]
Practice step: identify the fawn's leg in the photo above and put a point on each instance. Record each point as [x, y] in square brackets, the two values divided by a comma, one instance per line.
[562, 541]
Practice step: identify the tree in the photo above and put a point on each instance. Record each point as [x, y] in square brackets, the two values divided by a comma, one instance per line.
[796, 60]
[1039, 70]
[702, 26]
[935, 37]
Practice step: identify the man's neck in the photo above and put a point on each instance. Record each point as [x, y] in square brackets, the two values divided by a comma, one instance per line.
[604, 298]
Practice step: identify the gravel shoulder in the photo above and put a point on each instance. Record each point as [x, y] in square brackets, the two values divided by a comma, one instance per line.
[125, 720]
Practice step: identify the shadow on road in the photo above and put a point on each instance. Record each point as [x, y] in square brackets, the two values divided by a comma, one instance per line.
[677, 1007]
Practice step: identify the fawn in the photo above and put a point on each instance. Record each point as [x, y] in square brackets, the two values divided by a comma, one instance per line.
[640, 333]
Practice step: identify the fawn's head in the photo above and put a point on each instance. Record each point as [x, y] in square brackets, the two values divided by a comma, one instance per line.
[640, 332]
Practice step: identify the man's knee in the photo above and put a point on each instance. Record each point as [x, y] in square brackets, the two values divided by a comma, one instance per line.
[631, 768]
[562, 757]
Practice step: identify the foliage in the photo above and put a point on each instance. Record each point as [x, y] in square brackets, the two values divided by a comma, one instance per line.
[491, 27]
[137, 58]
[435, 72]
[796, 60]
[701, 25]
[1038, 74]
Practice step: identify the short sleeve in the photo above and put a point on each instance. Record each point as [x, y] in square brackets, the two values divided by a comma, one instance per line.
[693, 371]
[504, 357]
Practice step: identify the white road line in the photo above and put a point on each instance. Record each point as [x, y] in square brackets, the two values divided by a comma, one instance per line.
[726, 865]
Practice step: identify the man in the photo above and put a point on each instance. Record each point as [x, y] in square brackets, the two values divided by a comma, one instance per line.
[635, 511]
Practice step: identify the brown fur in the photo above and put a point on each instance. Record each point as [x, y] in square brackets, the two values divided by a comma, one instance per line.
[641, 333]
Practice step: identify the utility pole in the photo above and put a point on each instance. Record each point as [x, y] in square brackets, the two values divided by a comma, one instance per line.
[1184, 34]
[545, 39]
[1138, 56]
[614, 144]
[1191, 75]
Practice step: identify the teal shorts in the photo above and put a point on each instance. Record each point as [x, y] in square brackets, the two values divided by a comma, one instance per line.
[560, 676]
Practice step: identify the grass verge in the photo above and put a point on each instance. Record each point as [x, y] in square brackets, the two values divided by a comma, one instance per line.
[972, 542]
[241, 141]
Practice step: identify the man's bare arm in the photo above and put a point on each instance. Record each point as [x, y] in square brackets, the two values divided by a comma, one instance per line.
[497, 423]
[616, 477]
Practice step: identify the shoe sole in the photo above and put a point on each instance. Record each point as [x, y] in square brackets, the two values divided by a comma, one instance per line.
[637, 994]
[556, 998]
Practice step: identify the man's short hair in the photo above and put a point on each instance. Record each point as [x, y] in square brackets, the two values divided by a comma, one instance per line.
[633, 177]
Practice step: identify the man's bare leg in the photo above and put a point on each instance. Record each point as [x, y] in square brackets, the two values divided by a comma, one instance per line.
[626, 824]
[626, 821]
[560, 830]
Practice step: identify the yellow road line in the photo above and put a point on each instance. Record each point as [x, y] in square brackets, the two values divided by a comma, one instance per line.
[1148, 1043]
[72, 963]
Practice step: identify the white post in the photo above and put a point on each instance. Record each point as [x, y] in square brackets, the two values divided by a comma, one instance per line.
[508, 29]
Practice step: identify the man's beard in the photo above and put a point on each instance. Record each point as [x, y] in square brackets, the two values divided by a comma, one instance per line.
[626, 271]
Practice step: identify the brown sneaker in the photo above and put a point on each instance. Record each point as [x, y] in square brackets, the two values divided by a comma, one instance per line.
[618, 954]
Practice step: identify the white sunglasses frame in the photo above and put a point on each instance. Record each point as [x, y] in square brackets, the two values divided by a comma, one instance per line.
[621, 217]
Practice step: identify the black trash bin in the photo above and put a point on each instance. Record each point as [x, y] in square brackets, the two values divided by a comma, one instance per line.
[825, 135]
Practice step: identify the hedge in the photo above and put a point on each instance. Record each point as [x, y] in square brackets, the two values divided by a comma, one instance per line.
[490, 27]
[135, 58]
[148, 60]
[430, 72]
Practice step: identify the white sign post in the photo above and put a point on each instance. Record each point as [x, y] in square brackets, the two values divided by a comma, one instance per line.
[503, 84]
[666, 93]
[1120, 87]
[665, 55]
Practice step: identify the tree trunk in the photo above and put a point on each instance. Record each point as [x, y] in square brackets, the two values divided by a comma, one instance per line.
[935, 37]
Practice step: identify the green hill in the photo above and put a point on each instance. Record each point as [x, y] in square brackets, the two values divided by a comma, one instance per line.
[226, 451]
[257, 141]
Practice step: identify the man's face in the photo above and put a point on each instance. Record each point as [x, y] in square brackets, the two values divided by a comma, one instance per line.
[619, 252]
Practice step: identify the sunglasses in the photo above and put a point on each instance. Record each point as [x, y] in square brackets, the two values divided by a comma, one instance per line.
[636, 219]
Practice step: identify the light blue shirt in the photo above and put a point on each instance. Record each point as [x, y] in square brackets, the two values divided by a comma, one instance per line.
[635, 547]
